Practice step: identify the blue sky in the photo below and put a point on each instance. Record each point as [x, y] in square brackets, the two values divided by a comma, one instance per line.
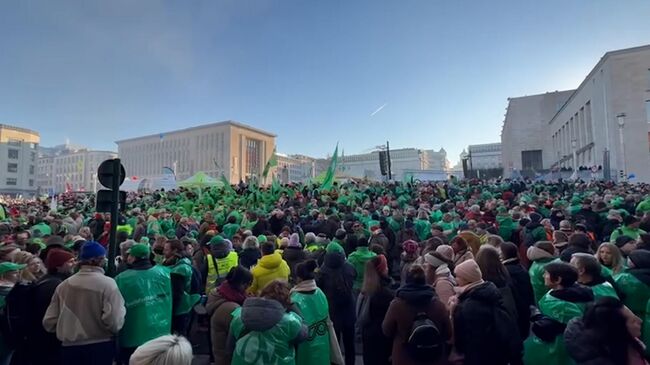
[312, 72]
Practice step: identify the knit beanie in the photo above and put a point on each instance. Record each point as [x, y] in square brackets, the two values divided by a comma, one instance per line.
[468, 271]
[334, 247]
[446, 252]
[56, 258]
[381, 265]
[262, 239]
[410, 246]
[91, 250]
[140, 251]
[294, 240]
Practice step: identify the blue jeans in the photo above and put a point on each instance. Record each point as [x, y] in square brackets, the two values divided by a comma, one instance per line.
[101, 353]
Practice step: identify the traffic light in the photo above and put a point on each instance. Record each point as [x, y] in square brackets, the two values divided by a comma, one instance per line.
[383, 163]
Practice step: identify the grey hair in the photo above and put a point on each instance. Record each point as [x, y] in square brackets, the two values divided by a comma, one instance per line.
[164, 350]
[126, 246]
[251, 242]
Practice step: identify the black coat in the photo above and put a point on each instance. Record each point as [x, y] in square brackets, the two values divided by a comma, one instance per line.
[49, 347]
[335, 278]
[570, 250]
[276, 224]
[590, 218]
[483, 328]
[522, 292]
[584, 347]
[377, 347]
[248, 257]
[609, 227]
[293, 256]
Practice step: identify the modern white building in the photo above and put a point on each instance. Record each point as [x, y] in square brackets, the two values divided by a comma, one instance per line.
[236, 150]
[295, 168]
[18, 151]
[605, 121]
[70, 169]
[404, 162]
[523, 136]
[485, 156]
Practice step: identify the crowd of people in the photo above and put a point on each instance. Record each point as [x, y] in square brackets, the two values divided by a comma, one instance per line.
[470, 272]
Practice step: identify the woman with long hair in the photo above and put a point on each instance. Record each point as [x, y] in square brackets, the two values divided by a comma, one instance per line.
[34, 268]
[489, 262]
[607, 334]
[611, 259]
[374, 300]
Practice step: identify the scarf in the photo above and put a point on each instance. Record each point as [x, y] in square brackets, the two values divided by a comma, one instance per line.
[230, 294]
[304, 286]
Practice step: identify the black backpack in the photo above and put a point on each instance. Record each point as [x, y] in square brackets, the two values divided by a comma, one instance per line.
[425, 342]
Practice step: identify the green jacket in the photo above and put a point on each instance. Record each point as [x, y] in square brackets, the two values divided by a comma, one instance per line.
[626, 231]
[506, 227]
[422, 229]
[603, 290]
[635, 292]
[183, 268]
[43, 228]
[536, 273]
[270, 347]
[315, 313]
[538, 352]
[358, 260]
[230, 229]
[148, 301]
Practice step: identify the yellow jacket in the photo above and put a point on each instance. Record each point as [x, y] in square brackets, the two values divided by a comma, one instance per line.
[268, 268]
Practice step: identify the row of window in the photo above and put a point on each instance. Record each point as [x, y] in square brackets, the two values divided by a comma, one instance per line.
[13, 167]
[18, 143]
[12, 181]
[14, 154]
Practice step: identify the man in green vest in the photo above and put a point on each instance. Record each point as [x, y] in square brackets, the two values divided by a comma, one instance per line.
[219, 261]
[147, 293]
[589, 274]
[183, 300]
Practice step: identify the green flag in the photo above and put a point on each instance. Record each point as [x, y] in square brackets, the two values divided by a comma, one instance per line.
[273, 161]
[226, 184]
[331, 170]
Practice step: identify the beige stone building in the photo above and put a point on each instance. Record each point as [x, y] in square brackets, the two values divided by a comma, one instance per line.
[236, 150]
[18, 152]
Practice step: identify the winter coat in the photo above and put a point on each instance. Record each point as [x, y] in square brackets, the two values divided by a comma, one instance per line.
[422, 229]
[314, 311]
[269, 268]
[336, 278]
[461, 257]
[370, 316]
[590, 218]
[560, 306]
[608, 228]
[483, 329]
[506, 227]
[293, 256]
[634, 285]
[379, 239]
[522, 291]
[626, 231]
[248, 257]
[601, 288]
[533, 233]
[49, 346]
[264, 333]
[358, 260]
[410, 300]
[444, 284]
[220, 311]
[540, 259]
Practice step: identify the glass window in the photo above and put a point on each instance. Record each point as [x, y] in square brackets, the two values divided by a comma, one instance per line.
[31, 182]
[12, 167]
[13, 142]
[31, 169]
[13, 154]
[12, 181]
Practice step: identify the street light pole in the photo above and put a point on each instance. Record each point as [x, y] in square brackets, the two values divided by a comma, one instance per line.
[574, 146]
[620, 118]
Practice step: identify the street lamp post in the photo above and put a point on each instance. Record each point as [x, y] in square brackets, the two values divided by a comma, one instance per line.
[620, 118]
[574, 146]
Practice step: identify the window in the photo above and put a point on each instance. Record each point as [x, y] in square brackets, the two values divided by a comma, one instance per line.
[12, 167]
[13, 154]
[12, 181]
[14, 142]
[33, 156]
[531, 160]
[31, 182]
[31, 169]
[33, 145]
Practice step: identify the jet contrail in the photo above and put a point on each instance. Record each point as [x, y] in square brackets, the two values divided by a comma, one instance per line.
[378, 109]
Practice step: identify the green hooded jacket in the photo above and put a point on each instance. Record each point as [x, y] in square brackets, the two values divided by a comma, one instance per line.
[184, 268]
[358, 260]
[536, 273]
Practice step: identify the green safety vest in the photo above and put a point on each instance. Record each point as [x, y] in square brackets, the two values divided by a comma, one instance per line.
[216, 275]
[538, 352]
[315, 313]
[603, 290]
[148, 301]
[184, 268]
[270, 347]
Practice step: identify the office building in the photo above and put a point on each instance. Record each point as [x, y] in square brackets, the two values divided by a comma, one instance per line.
[404, 161]
[294, 168]
[236, 150]
[18, 151]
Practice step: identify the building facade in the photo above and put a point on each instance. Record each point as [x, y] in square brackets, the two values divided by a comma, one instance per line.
[523, 136]
[236, 150]
[295, 168]
[70, 169]
[485, 156]
[403, 162]
[605, 122]
[18, 154]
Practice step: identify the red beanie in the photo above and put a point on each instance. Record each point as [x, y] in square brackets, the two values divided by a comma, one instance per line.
[381, 265]
[56, 258]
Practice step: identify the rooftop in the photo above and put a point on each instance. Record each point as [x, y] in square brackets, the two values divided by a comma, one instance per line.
[18, 129]
[203, 126]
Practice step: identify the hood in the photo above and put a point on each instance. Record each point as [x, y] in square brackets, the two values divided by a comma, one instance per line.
[261, 314]
[220, 251]
[643, 275]
[536, 254]
[334, 260]
[533, 225]
[574, 294]
[271, 261]
[293, 254]
[580, 343]
[215, 300]
[415, 294]
[485, 292]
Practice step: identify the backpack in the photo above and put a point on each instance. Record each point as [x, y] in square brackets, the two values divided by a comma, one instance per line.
[425, 342]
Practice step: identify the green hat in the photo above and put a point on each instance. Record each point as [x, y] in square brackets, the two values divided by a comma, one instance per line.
[144, 240]
[217, 240]
[262, 238]
[334, 247]
[39, 242]
[502, 210]
[6, 267]
[140, 251]
[170, 234]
